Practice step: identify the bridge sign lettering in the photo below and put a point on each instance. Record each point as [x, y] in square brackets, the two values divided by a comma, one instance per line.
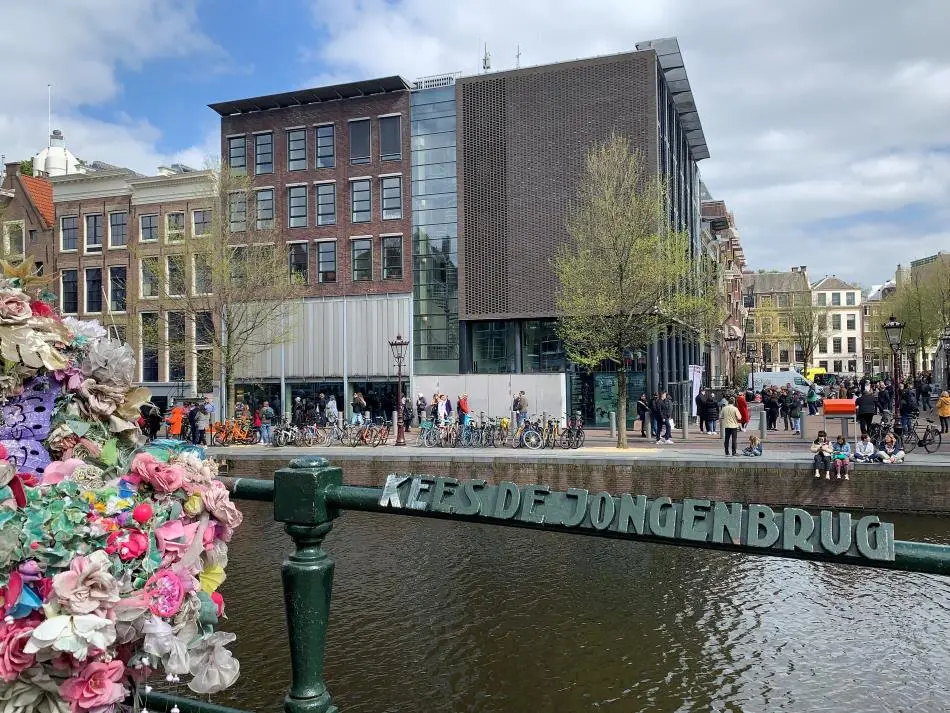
[638, 517]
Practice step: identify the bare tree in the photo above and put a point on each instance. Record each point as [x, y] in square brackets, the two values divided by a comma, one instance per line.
[808, 324]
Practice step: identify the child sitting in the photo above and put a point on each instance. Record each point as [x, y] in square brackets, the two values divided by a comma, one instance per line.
[841, 456]
[822, 450]
[865, 451]
[754, 448]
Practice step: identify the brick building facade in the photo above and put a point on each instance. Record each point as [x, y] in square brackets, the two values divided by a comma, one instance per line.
[26, 217]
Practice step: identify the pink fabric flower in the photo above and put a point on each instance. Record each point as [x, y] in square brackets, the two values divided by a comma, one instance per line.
[88, 586]
[14, 307]
[13, 638]
[98, 685]
[71, 377]
[164, 593]
[60, 470]
[163, 477]
[175, 537]
[217, 501]
[129, 544]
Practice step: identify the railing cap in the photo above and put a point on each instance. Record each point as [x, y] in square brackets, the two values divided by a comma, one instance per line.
[300, 491]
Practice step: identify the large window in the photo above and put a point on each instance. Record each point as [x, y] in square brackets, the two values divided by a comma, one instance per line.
[359, 141]
[541, 348]
[326, 203]
[95, 231]
[297, 206]
[390, 141]
[150, 346]
[836, 321]
[836, 345]
[823, 345]
[176, 275]
[298, 259]
[852, 344]
[326, 150]
[148, 228]
[201, 220]
[177, 350]
[835, 299]
[174, 227]
[237, 212]
[852, 322]
[69, 233]
[93, 289]
[202, 272]
[361, 198]
[362, 259]
[392, 258]
[297, 150]
[849, 299]
[392, 197]
[238, 262]
[204, 342]
[265, 209]
[150, 277]
[783, 299]
[69, 289]
[117, 288]
[264, 153]
[237, 155]
[326, 261]
[118, 229]
[13, 237]
[822, 299]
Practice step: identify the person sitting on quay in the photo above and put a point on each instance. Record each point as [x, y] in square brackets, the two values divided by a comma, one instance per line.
[754, 448]
[841, 456]
[890, 450]
[865, 452]
[822, 450]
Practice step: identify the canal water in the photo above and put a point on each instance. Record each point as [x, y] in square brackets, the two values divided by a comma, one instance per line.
[433, 617]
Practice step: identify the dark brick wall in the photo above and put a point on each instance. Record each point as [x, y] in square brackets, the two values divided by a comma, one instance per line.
[338, 112]
[523, 137]
[19, 207]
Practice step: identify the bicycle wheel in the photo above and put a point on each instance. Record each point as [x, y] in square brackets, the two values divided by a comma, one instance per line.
[218, 438]
[567, 439]
[532, 439]
[467, 439]
[578, 438]
[932, 439]
[910, 440]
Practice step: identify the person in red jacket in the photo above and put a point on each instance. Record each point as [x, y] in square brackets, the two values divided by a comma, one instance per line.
[463, 409]
[743, 410]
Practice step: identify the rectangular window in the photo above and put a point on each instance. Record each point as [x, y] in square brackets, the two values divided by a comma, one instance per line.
[835, 299]
[822, 299]
[205, 376]
[326, 203]
[392, 197]
[13, 238]
[95, 231]
[150, 277]
[783, 354]
[783, 301]
[69, 287]
[849, 299]
[326, 149]
[174, 227]
[237, 155]
[836, 346]
[852, 322]
[176, 275]
[359, 141]
[298, 258]
[265, 209]
[202, 272]
[201, 220]
[823, 345]
[362, 259]
[204, 329]
[263, 153]
[69, 233]
[118, 230]
[176, 346]
[117, 332]
[297, 150]
[836, 321]
[361, 198]
[297, 206]
[237, 212]
[93, 289]
[117, 288]
[823, 364]
[326, 262]
[852, 344]
[837, 366]
[390, 140]
[799, 353]
[823, 321]
[238, 262]
[767, 325]
[148, 228]
[392, 258]
[765, 300]
[150, 346]
[784, 324]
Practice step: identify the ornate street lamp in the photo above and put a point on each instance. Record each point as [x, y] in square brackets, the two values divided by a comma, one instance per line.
[945, 342]
[399, 346]
[894, 331]
[912, 357]
[732, 346]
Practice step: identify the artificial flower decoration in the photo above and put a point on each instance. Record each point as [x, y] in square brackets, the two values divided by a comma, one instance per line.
[111, 552]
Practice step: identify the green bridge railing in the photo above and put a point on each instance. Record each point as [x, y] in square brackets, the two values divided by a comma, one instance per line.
[309, 494]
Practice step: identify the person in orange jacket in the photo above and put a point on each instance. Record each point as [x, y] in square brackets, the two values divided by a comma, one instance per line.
[174, 421]
[743, 410]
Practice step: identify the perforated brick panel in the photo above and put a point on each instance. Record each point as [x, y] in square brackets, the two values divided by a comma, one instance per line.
[523, 139]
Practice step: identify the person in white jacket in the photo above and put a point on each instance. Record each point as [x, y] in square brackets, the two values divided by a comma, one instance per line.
[864, 452]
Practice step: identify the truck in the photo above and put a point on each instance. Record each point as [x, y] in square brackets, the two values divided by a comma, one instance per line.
[760, 379]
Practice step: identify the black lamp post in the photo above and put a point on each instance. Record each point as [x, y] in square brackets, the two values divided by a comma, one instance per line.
[945, 343]
[732, 345]
[399, 346]
[894, 331]
[912, 357]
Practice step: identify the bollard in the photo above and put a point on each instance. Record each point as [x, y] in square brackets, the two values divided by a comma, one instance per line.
[300, 503]
[613, 424]
[395, 417]
[804, 426]
[762, 424]
[684, 429]
[513, 424]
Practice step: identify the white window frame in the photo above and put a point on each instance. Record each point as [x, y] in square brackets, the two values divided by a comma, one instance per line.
[109, 290]
[6, 236]
[194, 230]
[61, 248]
[109, 229]
[142, 295]
[85, 290]
[85, 234]
[62, 305]
[194, 276]
[184, 230]
[168, 277]
[141, 218]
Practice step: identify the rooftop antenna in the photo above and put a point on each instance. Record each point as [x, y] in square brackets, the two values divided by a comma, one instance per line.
[518, 58]
[49, 115]
[486, 60]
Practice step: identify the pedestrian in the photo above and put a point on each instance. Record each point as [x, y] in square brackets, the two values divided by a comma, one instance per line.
[730, 419]
[520, 407]
[421, 407]
[665, 409]
[358, 406]
[812, 400]
[743, 405]
[926, 391]
[297, 415]
[785, 400]
[866, 405]
[175, 421]
[909, 408]
[822, 450]
[643, 409]
[240, 409]
[153, 420]
[406, 408]
[710, 412]
[463, 409]
[655, 417]
[322, 405]
[267, 416]
[700, 401]
[202, 421]
[943, 411]
[332, 414]
[771, 403]
[795, 414]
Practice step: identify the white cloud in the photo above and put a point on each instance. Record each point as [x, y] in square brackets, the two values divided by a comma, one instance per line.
[77, 46]
[813, 111]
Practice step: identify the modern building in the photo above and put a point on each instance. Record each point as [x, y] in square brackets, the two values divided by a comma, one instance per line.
[330, 168]
[841, 346]
[771, 297]
[26, 217]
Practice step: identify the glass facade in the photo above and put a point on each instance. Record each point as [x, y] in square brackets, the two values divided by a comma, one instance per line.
[435, 235]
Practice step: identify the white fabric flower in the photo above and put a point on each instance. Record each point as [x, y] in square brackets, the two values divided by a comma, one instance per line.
[160, 641]
[109, 361]
[73, 634]
[90, 329]
[214, 667]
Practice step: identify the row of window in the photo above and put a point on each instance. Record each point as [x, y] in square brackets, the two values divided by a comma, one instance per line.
[783, 352]
[836, 343]
[113, 292]
[295, 142]
[298, 204]
[361, 259]
[781, 299]
[837, 366]
[851, 321]
[114, 227]
[850, 299]
[175, 332]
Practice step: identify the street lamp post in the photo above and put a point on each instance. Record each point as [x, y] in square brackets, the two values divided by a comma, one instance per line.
[912, 357]
[894, 331]
[399, 346]
[732, 345]
[945, 343]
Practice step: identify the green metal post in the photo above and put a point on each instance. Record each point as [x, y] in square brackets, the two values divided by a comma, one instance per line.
[300, 502]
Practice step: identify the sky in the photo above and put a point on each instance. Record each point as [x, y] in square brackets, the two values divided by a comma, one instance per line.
[828, 123]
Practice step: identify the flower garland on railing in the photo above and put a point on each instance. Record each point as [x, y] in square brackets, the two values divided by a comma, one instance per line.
[111, 553]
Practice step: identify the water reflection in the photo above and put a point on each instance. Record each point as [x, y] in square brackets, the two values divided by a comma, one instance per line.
[433, 616]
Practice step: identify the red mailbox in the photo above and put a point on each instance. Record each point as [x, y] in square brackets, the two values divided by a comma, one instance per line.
[840, 407]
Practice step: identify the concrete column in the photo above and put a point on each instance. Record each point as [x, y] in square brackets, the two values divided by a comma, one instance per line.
[653, 364]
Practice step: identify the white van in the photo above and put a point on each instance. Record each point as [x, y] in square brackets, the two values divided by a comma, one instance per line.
[760, 379]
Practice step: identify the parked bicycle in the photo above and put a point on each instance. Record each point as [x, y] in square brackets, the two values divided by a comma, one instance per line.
[927, 436]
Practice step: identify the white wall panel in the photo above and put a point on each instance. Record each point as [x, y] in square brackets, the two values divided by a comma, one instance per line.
[494, 393]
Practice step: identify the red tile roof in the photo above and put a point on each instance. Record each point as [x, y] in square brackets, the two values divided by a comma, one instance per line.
[41, 193]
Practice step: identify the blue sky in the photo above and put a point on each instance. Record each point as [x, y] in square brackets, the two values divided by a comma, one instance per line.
[828, 137]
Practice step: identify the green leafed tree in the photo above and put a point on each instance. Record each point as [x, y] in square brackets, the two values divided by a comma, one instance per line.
[623, 273]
